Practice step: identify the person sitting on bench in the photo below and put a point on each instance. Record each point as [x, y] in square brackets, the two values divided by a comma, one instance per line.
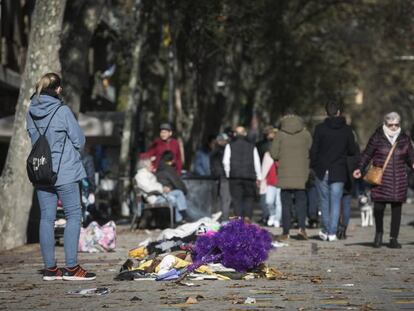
[155, 192]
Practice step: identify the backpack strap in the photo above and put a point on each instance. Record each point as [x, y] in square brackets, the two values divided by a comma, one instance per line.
[47, 126]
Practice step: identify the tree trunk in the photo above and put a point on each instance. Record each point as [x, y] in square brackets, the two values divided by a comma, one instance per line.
[15, 189]
[81, 19]
[128, 133]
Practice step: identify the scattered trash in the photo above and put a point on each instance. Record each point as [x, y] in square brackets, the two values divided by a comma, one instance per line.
[187, 284]
[191, 300]
[392, 269]
[329, 270]
[97, 239]
[250, 300]
[135, 298]
[348, 285]
[100, 291]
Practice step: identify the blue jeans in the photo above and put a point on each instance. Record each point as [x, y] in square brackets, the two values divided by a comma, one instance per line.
[177, 199]
[273, 202]
[346, 208]
[330, 195]
[69, 194]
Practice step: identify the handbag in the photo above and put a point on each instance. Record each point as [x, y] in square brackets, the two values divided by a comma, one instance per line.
[374, 173]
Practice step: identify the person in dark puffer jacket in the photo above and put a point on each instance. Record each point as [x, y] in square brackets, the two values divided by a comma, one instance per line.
[393, 189]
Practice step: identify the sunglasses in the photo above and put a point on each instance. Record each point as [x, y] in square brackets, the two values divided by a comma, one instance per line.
[393, 125]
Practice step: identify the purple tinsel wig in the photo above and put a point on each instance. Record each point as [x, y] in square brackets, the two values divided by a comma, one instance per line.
[236, 245]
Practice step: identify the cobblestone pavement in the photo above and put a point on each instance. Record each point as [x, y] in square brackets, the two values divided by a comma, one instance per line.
[342, 275]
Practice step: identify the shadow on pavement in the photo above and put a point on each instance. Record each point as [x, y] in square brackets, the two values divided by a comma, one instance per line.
[368, 244]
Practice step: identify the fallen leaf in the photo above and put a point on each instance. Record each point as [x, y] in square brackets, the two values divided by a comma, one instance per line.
[191, 300]
[316, 280]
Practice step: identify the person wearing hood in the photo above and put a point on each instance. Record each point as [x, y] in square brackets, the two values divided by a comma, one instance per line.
[291, 148]
[393, 188]
[333, 142]
[241, 164]
[49, 116]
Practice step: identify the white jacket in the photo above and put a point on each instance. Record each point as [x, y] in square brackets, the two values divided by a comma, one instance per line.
[147, 181]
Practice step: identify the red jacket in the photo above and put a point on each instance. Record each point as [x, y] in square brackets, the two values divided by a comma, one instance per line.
[159, 146]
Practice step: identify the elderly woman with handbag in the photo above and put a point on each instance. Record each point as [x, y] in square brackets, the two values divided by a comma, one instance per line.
[391, 152]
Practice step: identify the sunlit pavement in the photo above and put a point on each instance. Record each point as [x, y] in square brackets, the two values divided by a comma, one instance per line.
[341, 275]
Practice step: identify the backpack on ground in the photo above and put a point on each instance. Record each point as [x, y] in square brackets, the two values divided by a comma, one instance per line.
[39, 162]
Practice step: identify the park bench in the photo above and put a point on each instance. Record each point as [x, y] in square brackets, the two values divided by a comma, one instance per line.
[141, 206]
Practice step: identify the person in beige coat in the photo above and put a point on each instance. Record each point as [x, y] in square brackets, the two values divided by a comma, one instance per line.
[291, 148]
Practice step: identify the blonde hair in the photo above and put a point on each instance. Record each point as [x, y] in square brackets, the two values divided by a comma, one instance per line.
[50, 80]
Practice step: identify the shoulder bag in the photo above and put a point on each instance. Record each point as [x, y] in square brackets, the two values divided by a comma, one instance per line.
[374, 173]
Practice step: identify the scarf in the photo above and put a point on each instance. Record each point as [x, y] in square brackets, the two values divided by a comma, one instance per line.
[391, 135]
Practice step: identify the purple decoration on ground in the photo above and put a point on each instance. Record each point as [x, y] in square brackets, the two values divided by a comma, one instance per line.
[236, 245]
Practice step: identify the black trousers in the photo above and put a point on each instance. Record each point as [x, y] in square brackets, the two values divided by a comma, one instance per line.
[287, 198]
[243, 193]
[379, 208]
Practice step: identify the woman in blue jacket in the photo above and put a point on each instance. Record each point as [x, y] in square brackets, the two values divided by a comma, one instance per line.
[66, 139]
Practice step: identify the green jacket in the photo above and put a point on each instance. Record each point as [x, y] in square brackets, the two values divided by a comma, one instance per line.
[291, 148]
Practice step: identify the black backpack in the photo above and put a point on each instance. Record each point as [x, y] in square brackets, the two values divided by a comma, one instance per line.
[39, 161]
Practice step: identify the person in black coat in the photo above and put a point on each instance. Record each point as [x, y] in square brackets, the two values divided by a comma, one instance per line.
[167, 174]
[333, 142]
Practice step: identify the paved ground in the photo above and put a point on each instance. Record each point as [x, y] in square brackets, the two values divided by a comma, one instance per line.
[344, 275]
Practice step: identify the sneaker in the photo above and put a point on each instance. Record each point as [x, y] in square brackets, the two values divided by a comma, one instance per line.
[302, 235]
[276, 224]
[77, 273]
[332, 237]
[282, 238]
[323, 236]
[271, 221]
[52, 274]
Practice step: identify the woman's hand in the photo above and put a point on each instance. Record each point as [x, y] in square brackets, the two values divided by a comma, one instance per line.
[357, 173]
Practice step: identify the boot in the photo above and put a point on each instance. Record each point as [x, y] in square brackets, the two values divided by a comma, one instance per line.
[378, 240]
[344, 232]
[394, 243]
[340, 232]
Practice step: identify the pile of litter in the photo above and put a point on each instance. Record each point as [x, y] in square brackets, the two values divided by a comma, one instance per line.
[203, 250]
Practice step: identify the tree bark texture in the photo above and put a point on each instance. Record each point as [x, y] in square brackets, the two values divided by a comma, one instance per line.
[80, 22]
[15, 189]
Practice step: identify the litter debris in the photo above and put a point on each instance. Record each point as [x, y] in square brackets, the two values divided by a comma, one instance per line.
[348, 285]
[135, 298]
[250, 300]
[392, 269]
[97, 239]
[197, 251]
[99, 291]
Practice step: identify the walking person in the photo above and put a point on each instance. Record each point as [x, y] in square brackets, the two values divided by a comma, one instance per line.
[333, 142]
[49, 116]
[388, 141]
[270, 190]
[291, 148]
[242, 166]
[217, 171]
